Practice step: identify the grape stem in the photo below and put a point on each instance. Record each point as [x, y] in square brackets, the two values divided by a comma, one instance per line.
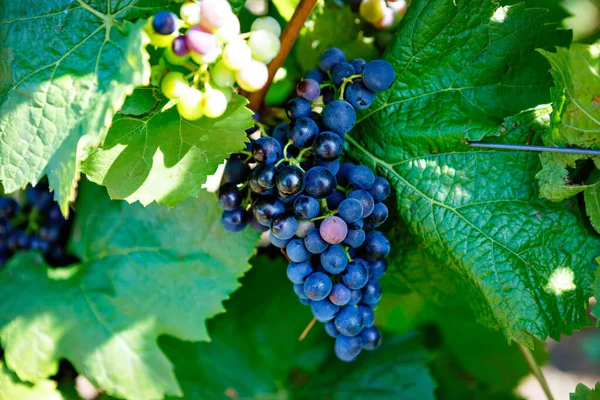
[535, 369]
[348, 254]
[324, 216]
[345, 82]
[307, 329]
[342, 189]
[285, 255]
[288, 37]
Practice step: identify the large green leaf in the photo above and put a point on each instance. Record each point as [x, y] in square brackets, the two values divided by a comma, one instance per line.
[66, 68]
[465, 69]
[582, 392]
[255, 352]
[164, 158]
[145, 272]
[12, 388]
[575, 118]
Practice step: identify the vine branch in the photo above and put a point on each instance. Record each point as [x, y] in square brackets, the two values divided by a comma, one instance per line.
[535, 369]
[288, 37]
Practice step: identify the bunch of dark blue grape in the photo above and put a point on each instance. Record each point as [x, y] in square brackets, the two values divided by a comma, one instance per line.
[35, 223]
[322, 213]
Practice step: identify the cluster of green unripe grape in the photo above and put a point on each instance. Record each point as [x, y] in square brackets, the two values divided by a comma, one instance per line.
[205, 58]
[382, 14]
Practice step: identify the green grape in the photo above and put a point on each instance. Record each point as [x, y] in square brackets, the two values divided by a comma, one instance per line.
[236, 54]
[190, 13]
[268, 24]
[214, 103]
[173, 58]
[226, 90]
[230, 29]
[264, 45]
[207, 58]
[156, 39]
[222, 75]
[372, 10]
[190, 104]
[174, 85]
[253, 76]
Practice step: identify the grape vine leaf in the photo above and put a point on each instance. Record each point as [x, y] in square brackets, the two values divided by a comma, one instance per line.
[463, 70]
[237, 5]
[556, 11]
[145, 272]
[162, 157]
[67, 68]
[12, 388]
[332, 26]
[582, 392]
[254, 355]
[575, 117]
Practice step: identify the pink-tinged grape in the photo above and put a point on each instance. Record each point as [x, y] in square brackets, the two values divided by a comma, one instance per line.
[174, 85]
[214, 13]
[253, 76]
[190, 104]
[264, 45]
[230, 29]
[268, 24]
[236, 54]
[399, 8]
[207, 58]
[222, 75]
[214, 103]
[200, 41]
[372, 10]
[156, 39]
[387, 20]
[190, 13]
[333, 230]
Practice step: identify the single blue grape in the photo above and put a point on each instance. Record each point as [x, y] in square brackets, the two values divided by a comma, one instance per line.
[298, 108]
[315, 75]
[355, 297]
[357, 225]
[330, 57]
[302, 132]
[331, 329]
[320, 183]
[350, 210]
[341, 71]
[381, 189]
[376, 246]
[262, 179]
[359, 65]
[308, 89]
[296, 250]
[324, 310]
[378, 216]
[335, 199]
[339, 116]
[365, 199]
[371, 338]
[328, 93]
[332, 166]
[347, 348]
[314, 242]
[297, 272]
[280, 134]
[257, 226]
[267, 208]
[164, 22]
[371, 292]
[306, 207]
[356, 275]
[229, 196]
[284, 226]
[340, 294]
[236, 170]
[342, 175]
[234, 220]
[328, 146]
[290, 180]
[267, 150]
[355, 238]
[279, 243]
[334, 260]
[361, 177]
[359, 95]
[349, 321]
[378, 268]
[368, 315]
[317, 286]
[378, 75]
